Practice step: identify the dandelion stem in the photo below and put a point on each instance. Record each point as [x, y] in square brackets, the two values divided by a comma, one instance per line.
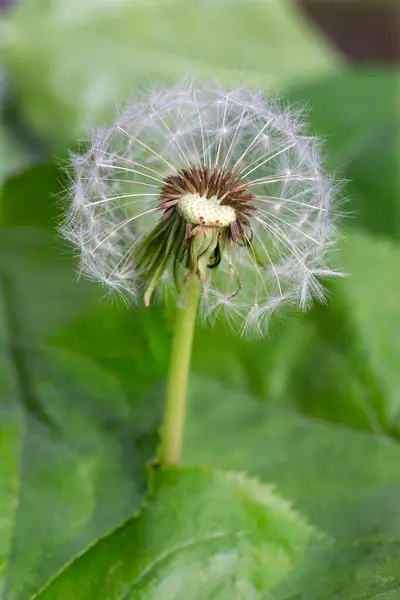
[175, 404]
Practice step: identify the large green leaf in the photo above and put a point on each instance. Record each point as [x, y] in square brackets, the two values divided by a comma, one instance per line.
[70, 478]
[73, 62]
[64, 427]
[322, 354]
[302, 360]
[32, 199]
[71, 450]
[319, 354]
[367, 569]
[349, 350]
[10, 430]
[327, 353]
[357, 113]
[203, 534]
[132, 344]
[346, 482]
[372, 294]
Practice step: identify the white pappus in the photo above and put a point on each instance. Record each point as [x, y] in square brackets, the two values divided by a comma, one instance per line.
[197, 181]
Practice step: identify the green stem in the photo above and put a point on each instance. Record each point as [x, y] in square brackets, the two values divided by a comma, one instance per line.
[175, 404]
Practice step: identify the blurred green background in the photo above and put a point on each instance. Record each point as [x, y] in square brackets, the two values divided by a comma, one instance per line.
[314, 409]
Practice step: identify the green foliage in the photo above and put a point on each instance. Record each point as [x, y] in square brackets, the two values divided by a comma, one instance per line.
[80, 59]
[313, 411]
[357, 112]
[187, 544]
[56, 407]
[371, 294]
[344, 481]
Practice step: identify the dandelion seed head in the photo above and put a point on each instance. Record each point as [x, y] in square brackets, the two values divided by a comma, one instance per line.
[197, 181]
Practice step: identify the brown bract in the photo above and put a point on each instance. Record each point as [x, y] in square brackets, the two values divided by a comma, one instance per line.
[226, 186]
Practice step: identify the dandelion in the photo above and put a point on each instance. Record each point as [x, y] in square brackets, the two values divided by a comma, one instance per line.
[195, 181]
[195, 190]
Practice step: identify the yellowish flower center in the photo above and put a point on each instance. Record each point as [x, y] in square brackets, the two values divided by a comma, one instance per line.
[199, 210]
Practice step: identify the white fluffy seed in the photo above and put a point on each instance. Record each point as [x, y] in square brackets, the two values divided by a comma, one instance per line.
[168, 130]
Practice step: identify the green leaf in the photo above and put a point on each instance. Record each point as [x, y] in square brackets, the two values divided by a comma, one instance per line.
[303, 359]
[32, 199]
[132, 344]
[10, 430]
[73, 437]
[372, 294]
[356, 111]
[299, 361]
[344, 481]
[374, 183]
[203, 534]
[328, 353]
[80, 61]
[33, 272]
[65, 422]
[346, 572]
[73, 480]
